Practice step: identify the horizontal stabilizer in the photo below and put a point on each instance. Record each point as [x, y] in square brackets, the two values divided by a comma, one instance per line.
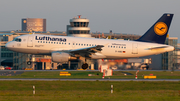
[154, 48]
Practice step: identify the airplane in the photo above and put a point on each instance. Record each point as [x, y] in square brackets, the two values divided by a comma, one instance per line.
[65, 48]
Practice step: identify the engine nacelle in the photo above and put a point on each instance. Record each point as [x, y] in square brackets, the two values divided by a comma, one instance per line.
[60, 57]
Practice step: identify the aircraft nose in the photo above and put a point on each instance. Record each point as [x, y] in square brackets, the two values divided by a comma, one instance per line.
[8, 45]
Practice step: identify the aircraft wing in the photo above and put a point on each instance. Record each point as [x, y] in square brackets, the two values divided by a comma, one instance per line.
[85, 52]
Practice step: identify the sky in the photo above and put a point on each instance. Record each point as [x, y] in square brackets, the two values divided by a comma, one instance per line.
[120, 16]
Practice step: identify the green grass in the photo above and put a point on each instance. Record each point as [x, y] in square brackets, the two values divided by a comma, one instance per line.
[84, 74]
[89, 91]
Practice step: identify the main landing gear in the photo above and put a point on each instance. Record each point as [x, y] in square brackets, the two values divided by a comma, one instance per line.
[85, 65]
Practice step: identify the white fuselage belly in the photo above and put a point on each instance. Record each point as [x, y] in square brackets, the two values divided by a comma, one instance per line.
[113, 49]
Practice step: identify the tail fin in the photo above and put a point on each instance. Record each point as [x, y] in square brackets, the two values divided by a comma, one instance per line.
[158, 32]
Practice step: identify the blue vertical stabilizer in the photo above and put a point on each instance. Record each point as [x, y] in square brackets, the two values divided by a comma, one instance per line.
[158, 32]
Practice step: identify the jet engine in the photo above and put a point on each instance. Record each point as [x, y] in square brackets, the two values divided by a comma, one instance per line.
[61, 57]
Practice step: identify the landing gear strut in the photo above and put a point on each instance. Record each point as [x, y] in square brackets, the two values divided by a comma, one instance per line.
[30, 58]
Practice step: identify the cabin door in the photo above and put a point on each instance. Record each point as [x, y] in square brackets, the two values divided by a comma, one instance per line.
[30, 41]
[134, 48]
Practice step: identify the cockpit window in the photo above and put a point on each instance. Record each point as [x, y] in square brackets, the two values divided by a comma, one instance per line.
[17, 39]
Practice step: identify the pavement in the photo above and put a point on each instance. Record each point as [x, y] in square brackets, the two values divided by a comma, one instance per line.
[10, 73]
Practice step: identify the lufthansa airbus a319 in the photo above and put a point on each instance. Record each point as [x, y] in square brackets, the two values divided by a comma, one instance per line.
[64, 48]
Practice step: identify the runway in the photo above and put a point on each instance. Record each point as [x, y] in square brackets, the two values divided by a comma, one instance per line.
[29, 79]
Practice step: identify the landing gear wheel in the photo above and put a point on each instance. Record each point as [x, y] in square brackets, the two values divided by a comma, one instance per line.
[85, 66]
[29, 62]
[30, 58]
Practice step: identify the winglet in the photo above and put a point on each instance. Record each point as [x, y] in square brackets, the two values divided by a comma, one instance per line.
[158, 32]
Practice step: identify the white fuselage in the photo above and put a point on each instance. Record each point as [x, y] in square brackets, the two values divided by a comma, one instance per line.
[113, 49]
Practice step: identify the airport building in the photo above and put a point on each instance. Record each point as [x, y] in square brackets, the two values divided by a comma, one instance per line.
[34, 24]
[169, 59]
[178, 56]
[6, 56]
[78, 27]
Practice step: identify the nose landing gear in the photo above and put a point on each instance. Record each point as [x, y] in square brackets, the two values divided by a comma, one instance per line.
[30, 58]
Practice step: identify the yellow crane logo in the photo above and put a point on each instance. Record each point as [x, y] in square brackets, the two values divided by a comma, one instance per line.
[160, 28]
